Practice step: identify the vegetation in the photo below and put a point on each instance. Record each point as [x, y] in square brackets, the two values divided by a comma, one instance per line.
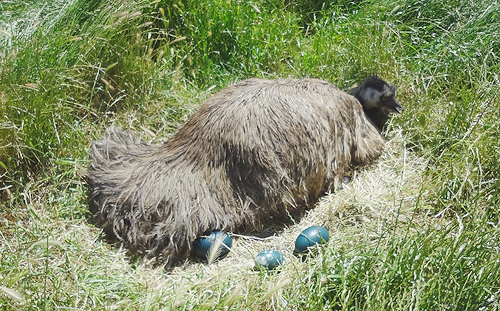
[69, 69]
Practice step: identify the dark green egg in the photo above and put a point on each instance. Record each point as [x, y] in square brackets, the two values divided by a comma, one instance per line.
[310, 237]
[203, 245]
[269, 259]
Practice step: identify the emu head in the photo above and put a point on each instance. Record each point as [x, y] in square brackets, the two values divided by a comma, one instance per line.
[378, 99]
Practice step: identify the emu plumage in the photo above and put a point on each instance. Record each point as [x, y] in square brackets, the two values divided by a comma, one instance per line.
[252, 155]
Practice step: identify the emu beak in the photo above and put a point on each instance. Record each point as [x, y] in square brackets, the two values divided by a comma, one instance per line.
[394, 105]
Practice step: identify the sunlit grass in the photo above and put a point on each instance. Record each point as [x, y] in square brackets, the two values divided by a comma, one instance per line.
[70, 69]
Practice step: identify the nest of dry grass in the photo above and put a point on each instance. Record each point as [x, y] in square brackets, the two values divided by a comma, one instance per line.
[378, 199]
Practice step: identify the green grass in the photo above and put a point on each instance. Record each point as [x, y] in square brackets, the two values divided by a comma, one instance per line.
[70, 69]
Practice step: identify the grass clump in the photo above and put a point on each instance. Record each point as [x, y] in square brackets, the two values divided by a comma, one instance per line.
[418, 231]
[446, 270]
[458, 72]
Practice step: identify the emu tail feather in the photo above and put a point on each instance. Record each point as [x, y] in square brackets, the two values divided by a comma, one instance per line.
[148, 202]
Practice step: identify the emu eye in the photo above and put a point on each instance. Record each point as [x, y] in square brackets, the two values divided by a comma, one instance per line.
[384, 98]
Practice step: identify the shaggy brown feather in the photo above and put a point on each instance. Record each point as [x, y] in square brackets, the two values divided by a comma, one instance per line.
[253, 153]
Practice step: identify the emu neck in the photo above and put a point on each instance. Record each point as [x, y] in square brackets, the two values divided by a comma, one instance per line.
[377, 116]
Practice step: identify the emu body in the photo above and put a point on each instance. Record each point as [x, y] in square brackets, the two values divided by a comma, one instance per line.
[253, 154]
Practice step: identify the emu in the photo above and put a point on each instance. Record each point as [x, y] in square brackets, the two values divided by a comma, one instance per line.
[252, 155]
